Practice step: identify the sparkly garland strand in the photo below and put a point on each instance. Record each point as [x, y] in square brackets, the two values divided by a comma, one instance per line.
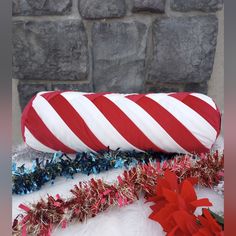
[94, 196]
[26, 180]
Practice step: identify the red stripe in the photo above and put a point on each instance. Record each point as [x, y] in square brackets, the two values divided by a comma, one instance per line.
[25, 112]
[93, 96]
[74, 121]
[205, 110]
[123, 124]
[168, 122]
[40, 131]
[50, 95]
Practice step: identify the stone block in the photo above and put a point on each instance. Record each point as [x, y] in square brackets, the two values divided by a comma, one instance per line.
[50, 50]
[119, 50]
[196, 5]
[184, 49]
[41, 7]
[90, 9]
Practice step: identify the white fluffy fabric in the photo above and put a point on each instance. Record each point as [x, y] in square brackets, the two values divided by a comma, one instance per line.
[131, 220]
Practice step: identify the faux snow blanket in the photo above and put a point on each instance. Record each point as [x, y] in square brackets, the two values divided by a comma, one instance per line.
[131, 220]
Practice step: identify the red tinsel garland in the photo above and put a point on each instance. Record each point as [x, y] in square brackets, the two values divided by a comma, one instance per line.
[90, 198]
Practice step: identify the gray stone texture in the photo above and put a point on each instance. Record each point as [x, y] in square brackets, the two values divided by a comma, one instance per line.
[27, 91]
[91, 9]
[196, 5]
[149, 5]
[176, 87]
[75, 87]
[50, 50]
[184, 49]
[119, 50]
[163, 88]
[197, 87]
[41, 7]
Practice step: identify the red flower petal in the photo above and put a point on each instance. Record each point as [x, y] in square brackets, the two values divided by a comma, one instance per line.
[201, 202]
[212, 222]
[188, 192]
[169, 195]
[193, 226]
[182, 204]
[182, 219]
[162, 183]
[203, 232]
[163, 217]
[160, 204]
[209, 226]
[173, 231]
[171, 179]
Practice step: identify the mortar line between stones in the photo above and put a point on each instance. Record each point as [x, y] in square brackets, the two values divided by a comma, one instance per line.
[135, 16]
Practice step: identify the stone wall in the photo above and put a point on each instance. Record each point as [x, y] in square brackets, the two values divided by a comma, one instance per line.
[114, 45]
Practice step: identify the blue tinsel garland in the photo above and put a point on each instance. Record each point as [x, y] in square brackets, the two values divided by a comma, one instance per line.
[26, 180]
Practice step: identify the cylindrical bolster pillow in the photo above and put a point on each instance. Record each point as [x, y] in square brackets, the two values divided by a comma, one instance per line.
[164, 122]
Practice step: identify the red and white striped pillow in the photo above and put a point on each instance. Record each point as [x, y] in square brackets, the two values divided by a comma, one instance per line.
[71, 122]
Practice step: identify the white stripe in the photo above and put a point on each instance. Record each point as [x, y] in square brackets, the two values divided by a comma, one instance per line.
[205, 99]
[195, 123]
[97, 122]
[146, 124]
[34, 143]
[57, 126]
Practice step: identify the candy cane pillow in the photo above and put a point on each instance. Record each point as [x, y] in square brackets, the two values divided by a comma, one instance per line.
[71, 122]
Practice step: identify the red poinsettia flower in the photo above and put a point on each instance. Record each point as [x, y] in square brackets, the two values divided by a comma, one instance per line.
[209, 226]
[185, 224]
[175, 204]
